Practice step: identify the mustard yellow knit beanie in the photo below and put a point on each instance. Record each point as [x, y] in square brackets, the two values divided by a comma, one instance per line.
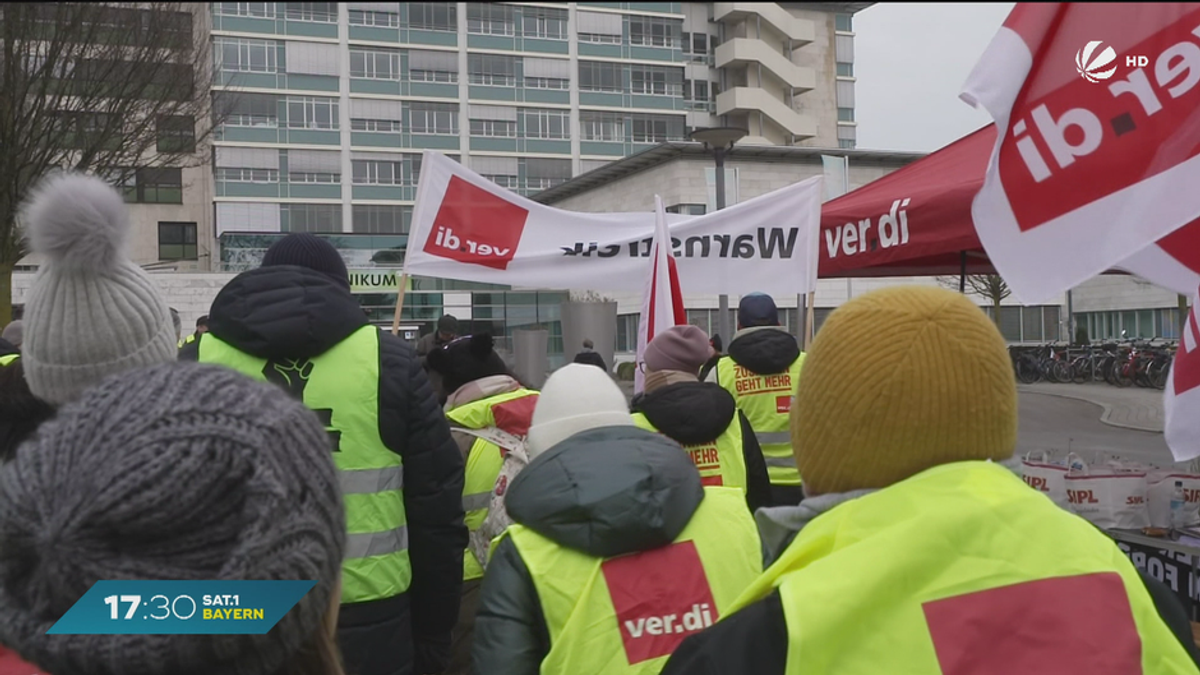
[898, 381]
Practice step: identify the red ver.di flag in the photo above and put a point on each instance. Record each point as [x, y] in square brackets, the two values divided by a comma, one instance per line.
[662, 301]
[1098, 112]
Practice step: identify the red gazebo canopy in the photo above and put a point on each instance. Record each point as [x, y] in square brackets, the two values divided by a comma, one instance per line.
[912, 222]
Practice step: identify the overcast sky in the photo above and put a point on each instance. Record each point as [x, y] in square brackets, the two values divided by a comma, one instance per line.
[911, 60]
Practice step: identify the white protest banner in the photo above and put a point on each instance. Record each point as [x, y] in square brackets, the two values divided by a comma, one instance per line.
[466, 227]
[662, 301]
[1097, 151]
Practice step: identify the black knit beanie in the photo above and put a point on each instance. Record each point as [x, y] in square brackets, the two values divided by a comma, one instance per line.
[306, 250]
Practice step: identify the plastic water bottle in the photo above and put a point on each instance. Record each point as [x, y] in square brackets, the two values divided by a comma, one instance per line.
[1178, 506]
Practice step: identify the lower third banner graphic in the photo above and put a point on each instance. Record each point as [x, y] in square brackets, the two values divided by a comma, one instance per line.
[181, 607]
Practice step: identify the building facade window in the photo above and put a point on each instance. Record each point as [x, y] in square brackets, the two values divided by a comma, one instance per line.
[687, 209]
[492, 70]
[845, 114]
[843, 23]
[845, 70]
[597, 27]
[247, 56]
[559, 83]
[431, 66]
[306, 112]
[656, 80]
[244, 175]
[656, 128]
[150, 186]
[600, 76]
[494, 128]
[238, 109]
[433, 118]
[375, 64]
[262, 10]
[441, 16]
[381, 218]
[321, 12]
[177, 241]
[315, 177]
[847, 136]
[547, 124]
[315, 218]
[543, 174]
[652, 31]
[485, 18]
[377, 19]
[544, 22]
[370, 172]
[176, 133]
[843, 49]
[375, 125]
[601, 126]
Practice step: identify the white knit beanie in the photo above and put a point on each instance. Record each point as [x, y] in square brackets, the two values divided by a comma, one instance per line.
[90, 312]
[576, 398]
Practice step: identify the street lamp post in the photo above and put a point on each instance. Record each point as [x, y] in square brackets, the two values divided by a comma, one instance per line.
[719, 141]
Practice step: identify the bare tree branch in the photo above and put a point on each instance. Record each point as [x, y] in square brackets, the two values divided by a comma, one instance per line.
[107, 88]
[991, 287]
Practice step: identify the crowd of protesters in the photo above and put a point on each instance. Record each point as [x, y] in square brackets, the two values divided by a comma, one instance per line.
[853, 509]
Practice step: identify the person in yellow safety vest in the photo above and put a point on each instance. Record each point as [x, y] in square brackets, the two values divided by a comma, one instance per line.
[618, 552]
[295, 323]
[761, 371]
[700, 416]
[21, 413]
[201, 329]
[919, 549]
[481, 394]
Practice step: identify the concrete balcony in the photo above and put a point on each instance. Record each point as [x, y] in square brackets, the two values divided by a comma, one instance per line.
[748, 51]
[801, 31]
[753, 99]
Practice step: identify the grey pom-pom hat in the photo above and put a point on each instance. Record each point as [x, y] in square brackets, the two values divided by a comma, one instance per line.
[176, 472]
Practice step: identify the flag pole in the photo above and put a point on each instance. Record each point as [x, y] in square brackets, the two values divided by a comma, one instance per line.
[399, 302]
[808, 322]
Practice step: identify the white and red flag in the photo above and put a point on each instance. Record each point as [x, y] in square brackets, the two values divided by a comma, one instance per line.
[1096, 165]
[662, 301]
[1098, 111]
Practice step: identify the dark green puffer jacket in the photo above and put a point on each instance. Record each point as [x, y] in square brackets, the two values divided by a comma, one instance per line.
[605, 492]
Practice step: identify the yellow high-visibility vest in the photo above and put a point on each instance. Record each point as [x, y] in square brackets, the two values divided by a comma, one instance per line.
[342, 387]
[766, 400]
[958, 566]
[625, 615]
[483, 464]
[8, 358]
[721, 462]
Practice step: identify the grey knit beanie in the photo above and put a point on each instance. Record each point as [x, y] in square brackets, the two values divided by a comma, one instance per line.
[179, 471]
[90, 312]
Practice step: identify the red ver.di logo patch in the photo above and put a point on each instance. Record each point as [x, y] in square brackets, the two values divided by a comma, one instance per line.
[661, 597]
[475, 226]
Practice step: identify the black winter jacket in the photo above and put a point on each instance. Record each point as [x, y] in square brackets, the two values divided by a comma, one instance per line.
[767, 351]
[287, 312]
[591, 358]
[691, 413]
[606, 492]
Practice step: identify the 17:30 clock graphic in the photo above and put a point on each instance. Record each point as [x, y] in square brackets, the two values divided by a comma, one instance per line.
[161, 607]
[156, 607]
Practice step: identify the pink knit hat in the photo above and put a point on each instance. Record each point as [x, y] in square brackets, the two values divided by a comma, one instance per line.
[681, 348]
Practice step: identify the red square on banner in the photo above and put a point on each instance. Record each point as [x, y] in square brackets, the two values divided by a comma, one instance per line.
[783, 404]
[661, 597]
[1077, 624]
[475, 226]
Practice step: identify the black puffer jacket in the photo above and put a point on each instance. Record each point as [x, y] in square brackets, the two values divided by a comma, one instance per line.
[296, 313]
[691, 413]
[605, 492]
